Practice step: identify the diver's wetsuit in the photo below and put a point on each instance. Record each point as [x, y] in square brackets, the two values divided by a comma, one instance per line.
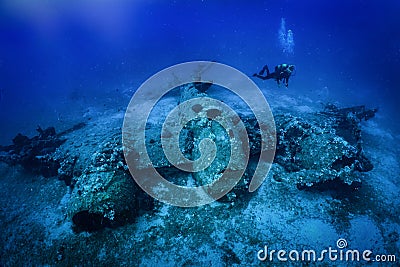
[282, 73]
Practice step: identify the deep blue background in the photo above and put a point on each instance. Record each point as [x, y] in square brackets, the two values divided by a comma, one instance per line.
[54, 55]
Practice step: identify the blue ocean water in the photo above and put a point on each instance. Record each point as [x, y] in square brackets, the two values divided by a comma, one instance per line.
[55, 54]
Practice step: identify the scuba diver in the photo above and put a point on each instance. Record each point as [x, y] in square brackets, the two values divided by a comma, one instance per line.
[282, 73]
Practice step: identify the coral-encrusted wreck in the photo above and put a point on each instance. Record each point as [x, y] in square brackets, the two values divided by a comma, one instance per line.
[320, 148]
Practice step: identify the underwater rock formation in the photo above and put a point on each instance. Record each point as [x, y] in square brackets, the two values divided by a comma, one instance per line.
[317, 149]
[226, 142]
[311, 153]
[34, 153]
[200, 129]
[286, 39]
[105, 199]
[104, 194]
[323, 147]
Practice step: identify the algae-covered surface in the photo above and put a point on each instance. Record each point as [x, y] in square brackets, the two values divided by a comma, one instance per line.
[39, 227]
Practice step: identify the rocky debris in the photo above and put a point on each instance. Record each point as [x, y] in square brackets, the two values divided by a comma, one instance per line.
[346, 121]
[320, 150]
[199, 129]
[105, 195]
[154, 146]
[103, 192]
[359, 112]
[34, 154]
[106, 199]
